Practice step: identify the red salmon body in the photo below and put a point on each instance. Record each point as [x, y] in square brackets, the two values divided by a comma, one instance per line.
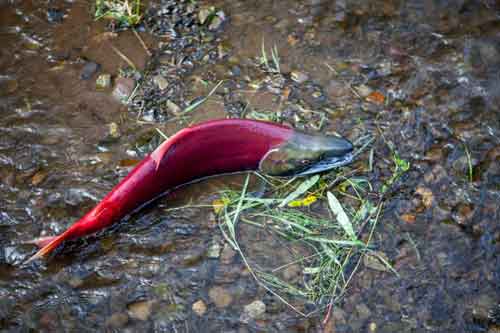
[210, 148]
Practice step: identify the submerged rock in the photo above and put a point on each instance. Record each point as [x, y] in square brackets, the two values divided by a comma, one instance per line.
[89, 69]
[117, 320]
[254, 310]
[55, 15]
[103, 81]
[299, 77]
[220, 296]
[161, 82]
[140, 310]
[199, 307]
[123, 89]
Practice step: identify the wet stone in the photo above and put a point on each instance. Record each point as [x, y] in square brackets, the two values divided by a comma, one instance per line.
[123, 89]
[214, 250]
[199, 307]
[220, 296]
[363, 311]
[38, 177]
[480, 55]
[161, 82]
[55, 15]
[172, 107]
[227, 254]
[114, 130]
[339, 316]
[89, 69]
[292, 272]
[140, 310]
[364, 91]
[408, 218]
[8, 85]
[217, 21]
[204, 14]
[223, 50]
[336, 89]
[254, 310]
[463, 213]
[103, 81]
[299, 77]
[117, 320]
[427, 196]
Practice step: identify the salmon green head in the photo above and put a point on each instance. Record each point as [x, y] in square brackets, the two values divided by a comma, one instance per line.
[305, 154]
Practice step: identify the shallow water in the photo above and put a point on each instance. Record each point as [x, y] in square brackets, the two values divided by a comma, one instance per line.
[437, 66]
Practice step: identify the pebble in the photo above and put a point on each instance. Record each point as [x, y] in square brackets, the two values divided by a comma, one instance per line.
[204, 13]
[463, 213]
[482, 305]
[336, 89]
[227, 254]
[114, 130]
[214, 250]
[117, 320]
[291, 272]
[123, 89]
[282, 24]
[437, 174]
[103, 81]
[38, 177]
[223, 49]
[140, 310]
[364, 90]
[160, 82]
[299, 77]
[199, 307]
[427, 196]
[363, 311]
[220, 296]
[172, 107]
[339, 316]
[254, 310]
[55, 15]
[9, 85]
[89, 69]
[217, 20]
[408, 218]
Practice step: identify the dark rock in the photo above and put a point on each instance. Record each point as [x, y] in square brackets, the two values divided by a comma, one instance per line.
[55, 15]
[89, 69]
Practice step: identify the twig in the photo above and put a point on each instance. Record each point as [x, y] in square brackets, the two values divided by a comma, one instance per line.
[124, 57]
[142, 42]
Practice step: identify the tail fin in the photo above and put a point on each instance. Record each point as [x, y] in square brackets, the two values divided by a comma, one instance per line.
[49, 247]
[42, 241]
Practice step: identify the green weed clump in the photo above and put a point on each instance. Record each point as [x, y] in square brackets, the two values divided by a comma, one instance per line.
[124, 13]
[333, 236]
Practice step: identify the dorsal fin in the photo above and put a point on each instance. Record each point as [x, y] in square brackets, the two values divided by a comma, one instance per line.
[158, 154]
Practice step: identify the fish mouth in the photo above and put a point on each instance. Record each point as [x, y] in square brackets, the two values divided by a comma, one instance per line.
[334, 152]
[306, 154]
[326, 164]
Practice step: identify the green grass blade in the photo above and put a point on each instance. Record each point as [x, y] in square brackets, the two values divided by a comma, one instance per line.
[342, 217]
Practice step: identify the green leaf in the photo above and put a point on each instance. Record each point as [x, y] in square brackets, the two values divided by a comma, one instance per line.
[342, 217]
